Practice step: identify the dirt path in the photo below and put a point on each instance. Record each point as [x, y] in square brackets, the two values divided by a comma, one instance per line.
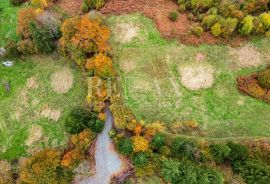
[108, 162]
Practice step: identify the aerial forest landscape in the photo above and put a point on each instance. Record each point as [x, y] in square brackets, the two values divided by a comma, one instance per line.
[134, 91]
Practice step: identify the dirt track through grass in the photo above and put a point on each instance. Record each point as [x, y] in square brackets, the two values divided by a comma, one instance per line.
[220, 110]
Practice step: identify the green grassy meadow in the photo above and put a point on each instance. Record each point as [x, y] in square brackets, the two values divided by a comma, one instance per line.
[8, 22]
[21, 108]
[149, 66]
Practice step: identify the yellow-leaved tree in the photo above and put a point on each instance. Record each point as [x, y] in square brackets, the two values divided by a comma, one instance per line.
[101, 64]
[140, 144]
[45, 167]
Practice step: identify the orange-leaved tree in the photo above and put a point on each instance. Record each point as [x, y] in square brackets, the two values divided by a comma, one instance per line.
[83, 37]
[101, 64]
[25, 17]
[81, 143]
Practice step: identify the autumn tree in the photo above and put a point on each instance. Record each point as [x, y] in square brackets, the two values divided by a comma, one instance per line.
[140, 144]
[25, 17]
[44, 167]
[80, 143]
[101, 65]
[83, 37]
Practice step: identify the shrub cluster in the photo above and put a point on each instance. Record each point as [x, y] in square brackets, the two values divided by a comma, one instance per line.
[35, 34]
[92, 4]
[173, 16]
[80, 119]
[82, 38]
[16, 2]
[185, 171]
[45, 167]
[264, 79]
[253, 171]
[224, 18]
[256, 85]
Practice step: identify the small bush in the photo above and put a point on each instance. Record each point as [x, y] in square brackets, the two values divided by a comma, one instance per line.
[85, 7]
[79, 119]
[201, 5]
[170, 170]
[16, 2]
[228, 26]
[258, 25]
[181, 8]
[216, 29]
[140, 159]
[238, 14]
[165, 150]
[267, 34]
[94, 4]
[265, 20]
[247, 25]
[112, 133]
[220, 152]
[42, 38]
[96, 126]
[184, 148]
[11, 50]
[140, 144]
[238, 152]
[209, 20]
[158, 141]
[197, 30]
[26, 47]
[253, 171]
[124, 146]
[255, 90]
[264, 79]
[173, 16]
[212, 11]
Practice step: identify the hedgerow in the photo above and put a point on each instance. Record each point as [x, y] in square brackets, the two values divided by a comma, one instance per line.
[225, 18]
[253, 171]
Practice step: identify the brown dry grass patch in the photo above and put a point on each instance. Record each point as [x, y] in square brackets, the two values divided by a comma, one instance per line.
[159, 10]
[197, 77]
[32, 83]
[246, 56]
[52, 114]
[62, 81]
[35, 134]
[127, 66]
[126, 32]
[73, 7]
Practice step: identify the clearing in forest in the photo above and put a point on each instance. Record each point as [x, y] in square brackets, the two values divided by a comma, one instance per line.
[167, 81]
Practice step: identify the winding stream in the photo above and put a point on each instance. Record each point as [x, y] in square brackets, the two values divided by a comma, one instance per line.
[107, 160]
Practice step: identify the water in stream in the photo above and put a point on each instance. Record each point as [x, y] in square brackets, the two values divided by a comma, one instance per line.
[107, 160]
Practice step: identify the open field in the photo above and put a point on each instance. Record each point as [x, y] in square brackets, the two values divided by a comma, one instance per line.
[171, 82]
[43, 90]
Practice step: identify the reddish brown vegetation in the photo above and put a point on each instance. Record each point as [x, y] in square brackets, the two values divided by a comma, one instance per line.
[72, 7]
[249, 86]
[159, 11]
